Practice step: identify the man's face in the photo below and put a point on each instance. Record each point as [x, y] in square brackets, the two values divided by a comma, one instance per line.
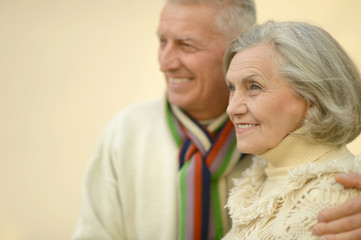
[190, 56]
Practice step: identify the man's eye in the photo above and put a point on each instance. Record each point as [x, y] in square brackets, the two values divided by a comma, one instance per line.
[188, 48]
[162, 41]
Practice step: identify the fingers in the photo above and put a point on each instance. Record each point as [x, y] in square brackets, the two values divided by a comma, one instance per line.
[344, 225]
[351, 180]
[348, 208]
[352, 235]
[342, 221]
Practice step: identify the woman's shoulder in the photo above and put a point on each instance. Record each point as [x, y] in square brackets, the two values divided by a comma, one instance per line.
[319, 183]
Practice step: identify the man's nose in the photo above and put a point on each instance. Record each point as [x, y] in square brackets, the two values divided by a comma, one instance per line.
[169, 58]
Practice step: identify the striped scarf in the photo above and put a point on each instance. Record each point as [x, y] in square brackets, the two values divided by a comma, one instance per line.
[205, 156]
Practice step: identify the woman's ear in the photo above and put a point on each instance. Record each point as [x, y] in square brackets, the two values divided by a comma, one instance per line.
[309, 108]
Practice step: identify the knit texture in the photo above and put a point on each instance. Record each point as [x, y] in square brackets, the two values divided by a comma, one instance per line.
[282, 201]
[131, 182]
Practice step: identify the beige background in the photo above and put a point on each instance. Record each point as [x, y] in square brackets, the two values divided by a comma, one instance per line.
[66, 67]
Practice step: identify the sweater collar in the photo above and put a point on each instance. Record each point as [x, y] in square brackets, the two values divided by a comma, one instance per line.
[294, 150]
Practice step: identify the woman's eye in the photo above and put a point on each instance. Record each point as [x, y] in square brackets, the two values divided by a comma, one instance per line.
[254, 86]
[231, 87]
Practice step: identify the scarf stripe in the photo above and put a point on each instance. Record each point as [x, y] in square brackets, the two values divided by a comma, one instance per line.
[216, 211]
[225, 165]
[219, 159]
[219, 143]
[172, 123]
[195, 130]
[183, 188]
[198, 192]
[204, 158]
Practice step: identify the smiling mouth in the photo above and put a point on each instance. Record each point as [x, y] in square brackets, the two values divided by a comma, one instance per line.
[178, 80]
[243, 126]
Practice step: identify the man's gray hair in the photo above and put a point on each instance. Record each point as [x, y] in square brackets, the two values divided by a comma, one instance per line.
[231, 16]
[319, 70]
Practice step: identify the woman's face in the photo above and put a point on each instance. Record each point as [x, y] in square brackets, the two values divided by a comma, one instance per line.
[262, 106]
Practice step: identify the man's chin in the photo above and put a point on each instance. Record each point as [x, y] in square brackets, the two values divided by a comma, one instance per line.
[181, 102]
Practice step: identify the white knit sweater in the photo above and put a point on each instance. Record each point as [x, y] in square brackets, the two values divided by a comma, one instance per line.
[280, 196]
[131, 183]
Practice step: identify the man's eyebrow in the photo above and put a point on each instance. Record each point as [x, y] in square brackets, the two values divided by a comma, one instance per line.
[180, 38]
[183, 38]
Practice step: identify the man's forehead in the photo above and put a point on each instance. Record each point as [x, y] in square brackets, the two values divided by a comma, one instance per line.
[188, 9]
[186, 17]
[183, 31]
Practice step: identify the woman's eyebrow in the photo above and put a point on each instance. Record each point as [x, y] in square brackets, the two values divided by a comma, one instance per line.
[243, 80]
[250, 77]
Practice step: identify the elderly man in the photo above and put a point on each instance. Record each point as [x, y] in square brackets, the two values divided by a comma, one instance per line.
[163, 168]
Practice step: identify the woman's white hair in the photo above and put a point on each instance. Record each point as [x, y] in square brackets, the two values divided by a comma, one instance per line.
[231, 17]
[319, 70]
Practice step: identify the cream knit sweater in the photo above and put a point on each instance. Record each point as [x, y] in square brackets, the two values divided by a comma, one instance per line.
[280, 196]
[131, 183]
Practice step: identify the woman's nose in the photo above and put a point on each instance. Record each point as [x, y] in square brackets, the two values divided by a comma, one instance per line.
[236, 105]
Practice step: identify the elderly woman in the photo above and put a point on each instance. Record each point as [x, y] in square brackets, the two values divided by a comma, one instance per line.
[295, 103]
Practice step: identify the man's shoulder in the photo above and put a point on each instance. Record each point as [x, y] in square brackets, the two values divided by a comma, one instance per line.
[141, 110]
[138, 115]
[149, 106]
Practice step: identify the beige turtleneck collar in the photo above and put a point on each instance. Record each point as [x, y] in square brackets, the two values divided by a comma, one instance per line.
[294, 150]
